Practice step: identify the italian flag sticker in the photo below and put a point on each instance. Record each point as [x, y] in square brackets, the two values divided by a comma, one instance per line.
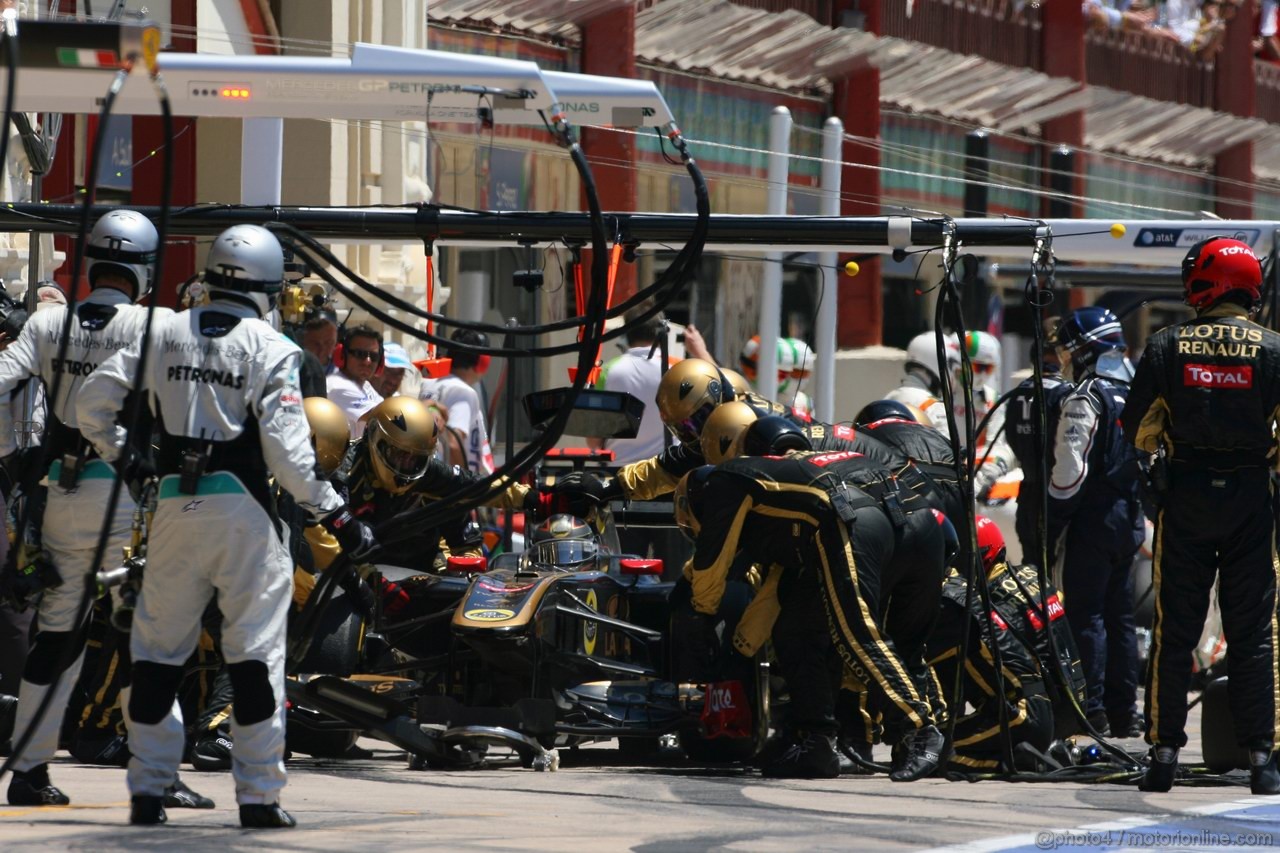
[77, 58]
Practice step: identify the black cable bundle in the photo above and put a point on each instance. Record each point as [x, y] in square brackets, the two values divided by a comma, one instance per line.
[948, 309]
[481, 490]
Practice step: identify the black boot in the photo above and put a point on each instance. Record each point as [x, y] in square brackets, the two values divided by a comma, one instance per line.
[1161, 771]
[921, 757]
[1264, 775]
[146, 810]
[814, 757]
[33, 788]
[773, 749]
[1100, 724]
[179, 796]
[1130, 725]
[265, 816]
[212, 752]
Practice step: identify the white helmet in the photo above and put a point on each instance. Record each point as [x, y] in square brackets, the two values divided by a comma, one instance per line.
[803, 357]
[984, 356]
[922, 353]
[246, 264]
[123, 243]
[799, 358]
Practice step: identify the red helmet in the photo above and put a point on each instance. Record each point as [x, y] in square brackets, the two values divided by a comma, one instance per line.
[1217, 266]
[990, 542]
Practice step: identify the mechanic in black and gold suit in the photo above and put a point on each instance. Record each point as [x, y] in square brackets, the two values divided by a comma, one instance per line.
[835, 544]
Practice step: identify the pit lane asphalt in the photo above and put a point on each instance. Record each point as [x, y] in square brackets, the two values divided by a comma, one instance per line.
[595, 803]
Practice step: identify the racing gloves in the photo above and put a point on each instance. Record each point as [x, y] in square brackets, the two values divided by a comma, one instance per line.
[585, 490]
[355, 537]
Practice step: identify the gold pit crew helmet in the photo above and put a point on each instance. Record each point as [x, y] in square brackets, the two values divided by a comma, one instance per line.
[737, 382]
[722, 429]
[687, 395]
[401, 435]
[330, 433]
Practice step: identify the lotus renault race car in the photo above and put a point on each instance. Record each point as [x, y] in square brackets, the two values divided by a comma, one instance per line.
[565, 643]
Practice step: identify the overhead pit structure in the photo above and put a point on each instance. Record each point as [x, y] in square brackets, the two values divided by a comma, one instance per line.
[1144, 242]
[374, 83]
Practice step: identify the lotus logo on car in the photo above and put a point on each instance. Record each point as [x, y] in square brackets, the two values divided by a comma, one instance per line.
[589, 625]
[489, 615]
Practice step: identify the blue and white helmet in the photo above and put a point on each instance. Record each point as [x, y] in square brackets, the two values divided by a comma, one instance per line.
[1095, 340]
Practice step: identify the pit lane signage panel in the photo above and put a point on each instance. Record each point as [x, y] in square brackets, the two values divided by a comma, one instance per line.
[1185, 238]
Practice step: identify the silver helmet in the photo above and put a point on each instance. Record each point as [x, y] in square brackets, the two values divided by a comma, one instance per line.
[123, 243]
[246, 263]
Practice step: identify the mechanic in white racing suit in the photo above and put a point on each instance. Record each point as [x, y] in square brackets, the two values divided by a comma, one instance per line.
[121, 251]
[922, 387]
[223, 386]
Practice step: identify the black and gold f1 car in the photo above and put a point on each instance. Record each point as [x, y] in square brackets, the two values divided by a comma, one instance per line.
[565, 643]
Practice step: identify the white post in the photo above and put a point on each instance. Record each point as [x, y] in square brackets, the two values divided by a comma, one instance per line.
[261, 158]
[771, 288]
[824, 333]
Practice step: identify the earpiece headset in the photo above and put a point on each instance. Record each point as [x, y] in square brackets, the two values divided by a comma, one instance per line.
[340, 351]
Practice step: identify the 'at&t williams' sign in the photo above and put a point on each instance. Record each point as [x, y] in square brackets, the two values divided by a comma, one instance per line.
[1185, 238]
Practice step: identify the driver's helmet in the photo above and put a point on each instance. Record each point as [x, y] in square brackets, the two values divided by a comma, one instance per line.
[564, 542]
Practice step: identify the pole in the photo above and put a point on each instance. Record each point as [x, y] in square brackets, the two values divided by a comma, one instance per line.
[824, 332]
[977, 171]
[508, 517]
[771, 287]
[26, 430]
[261, 160]
[1061, 166]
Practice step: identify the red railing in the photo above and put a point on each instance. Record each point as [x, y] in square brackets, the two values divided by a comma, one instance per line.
[987, 28]
[1146, 64]
[1268, 92]
[819, 10]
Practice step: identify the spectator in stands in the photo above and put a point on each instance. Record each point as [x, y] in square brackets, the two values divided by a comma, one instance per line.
[357, 359]
[1118, 15]
[1265, 44]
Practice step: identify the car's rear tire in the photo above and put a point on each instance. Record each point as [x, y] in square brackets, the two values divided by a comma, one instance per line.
[335, 649]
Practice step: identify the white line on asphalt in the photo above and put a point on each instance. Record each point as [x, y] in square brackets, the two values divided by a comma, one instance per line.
[1025, 839]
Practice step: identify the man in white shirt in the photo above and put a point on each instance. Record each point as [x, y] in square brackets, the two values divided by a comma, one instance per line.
[637, 372]
[457, 393]
[357, 359]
